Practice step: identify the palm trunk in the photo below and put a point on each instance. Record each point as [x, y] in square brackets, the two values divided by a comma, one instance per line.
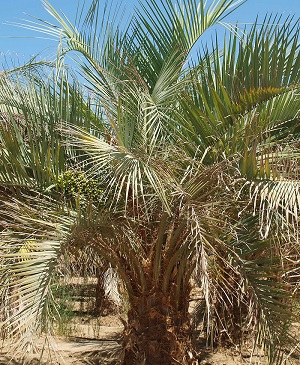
[100, 292]
[158, 332]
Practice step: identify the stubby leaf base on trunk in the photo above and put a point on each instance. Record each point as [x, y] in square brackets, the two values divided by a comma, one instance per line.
[156, 333]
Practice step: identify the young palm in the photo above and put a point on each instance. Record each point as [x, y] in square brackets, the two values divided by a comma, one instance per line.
[199, 160]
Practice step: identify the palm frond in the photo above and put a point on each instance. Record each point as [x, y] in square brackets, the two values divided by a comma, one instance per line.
[271, 298]
[224, 80]
[131, 175]
[33, 230]
[34, 107]
[277, 201]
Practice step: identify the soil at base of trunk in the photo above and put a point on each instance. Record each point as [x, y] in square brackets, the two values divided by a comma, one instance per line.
[106, 349]
[90, 340]
[83, 351]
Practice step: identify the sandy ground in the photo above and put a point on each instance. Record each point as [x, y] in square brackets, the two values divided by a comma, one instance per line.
[76, 351]
[105, 349]
[89, 340]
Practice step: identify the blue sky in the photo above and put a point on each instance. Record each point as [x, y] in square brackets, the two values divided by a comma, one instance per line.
[21, 44]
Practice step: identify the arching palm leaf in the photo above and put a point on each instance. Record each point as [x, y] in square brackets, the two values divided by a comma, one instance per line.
[33, 230]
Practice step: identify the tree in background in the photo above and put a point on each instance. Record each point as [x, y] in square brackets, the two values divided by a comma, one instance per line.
[190, 170]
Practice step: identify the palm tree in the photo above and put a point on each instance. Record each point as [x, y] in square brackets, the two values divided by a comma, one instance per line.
[188, 165]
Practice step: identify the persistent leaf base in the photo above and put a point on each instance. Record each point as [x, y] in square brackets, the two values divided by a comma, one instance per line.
[156, 333]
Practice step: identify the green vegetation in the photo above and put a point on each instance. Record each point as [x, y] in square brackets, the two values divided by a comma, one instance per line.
[63, 307]
[186, 170]
[75, 182]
